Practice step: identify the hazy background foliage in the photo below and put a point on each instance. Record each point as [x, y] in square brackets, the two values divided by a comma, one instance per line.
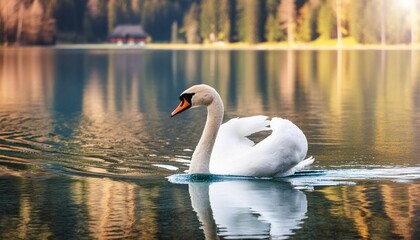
[203, 21]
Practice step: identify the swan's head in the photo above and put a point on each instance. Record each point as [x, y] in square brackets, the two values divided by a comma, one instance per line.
[195, 96]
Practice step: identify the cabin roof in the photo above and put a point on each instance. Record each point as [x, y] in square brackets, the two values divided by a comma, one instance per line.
[128, 31]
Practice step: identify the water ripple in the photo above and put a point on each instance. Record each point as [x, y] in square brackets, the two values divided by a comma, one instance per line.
[27, 139]
[308, 179]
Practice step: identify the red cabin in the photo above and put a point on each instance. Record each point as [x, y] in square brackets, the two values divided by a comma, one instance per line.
[128, 34]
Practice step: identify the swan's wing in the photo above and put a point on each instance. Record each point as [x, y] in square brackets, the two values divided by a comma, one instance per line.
[243, 127]
[284, 149]
[280, 152]
[232, 140]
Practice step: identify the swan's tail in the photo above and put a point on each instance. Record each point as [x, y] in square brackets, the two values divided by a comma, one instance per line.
[304, 163]
[298, 167]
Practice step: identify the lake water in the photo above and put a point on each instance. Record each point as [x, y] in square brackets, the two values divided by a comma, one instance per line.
[87, 144]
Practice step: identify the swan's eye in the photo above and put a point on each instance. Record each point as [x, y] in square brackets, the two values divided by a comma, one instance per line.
[186, 97]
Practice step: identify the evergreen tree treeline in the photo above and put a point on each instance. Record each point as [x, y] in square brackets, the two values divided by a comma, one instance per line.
[206, 21]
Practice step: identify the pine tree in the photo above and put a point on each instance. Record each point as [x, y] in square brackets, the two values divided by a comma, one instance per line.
[2, 32]
[95, 26]
[326, 21]
[157, 16]
[11, 16]
[371, 28]
[224, 25]
[32, 24]
[365, 21]
[111, 15]
[305, 23]
[356, 20]
[248, 20]
[208, 20]
[192, 25]
[287, 17]
[272, 27]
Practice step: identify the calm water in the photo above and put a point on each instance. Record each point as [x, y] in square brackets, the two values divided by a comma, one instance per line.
[86, 144]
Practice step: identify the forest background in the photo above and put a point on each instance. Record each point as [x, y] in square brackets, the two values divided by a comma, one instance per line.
[43, 22]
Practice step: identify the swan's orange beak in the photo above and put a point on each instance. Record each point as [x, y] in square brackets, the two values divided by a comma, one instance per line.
[184, 105]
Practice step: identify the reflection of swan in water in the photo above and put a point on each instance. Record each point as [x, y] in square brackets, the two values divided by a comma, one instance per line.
[244, 209]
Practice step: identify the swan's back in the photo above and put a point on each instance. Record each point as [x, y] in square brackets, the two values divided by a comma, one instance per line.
[276, 155]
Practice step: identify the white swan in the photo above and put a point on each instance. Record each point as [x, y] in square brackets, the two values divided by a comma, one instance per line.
[225, 149]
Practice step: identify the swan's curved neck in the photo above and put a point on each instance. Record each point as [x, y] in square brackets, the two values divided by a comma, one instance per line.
[201, 156]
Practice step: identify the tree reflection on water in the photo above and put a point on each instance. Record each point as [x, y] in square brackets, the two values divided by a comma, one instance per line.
[81, 129]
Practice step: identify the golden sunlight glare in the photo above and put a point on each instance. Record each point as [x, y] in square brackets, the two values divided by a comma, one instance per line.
[406, 3]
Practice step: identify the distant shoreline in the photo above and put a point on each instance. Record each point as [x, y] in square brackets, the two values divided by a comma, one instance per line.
[233, 46]
[240, 46]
